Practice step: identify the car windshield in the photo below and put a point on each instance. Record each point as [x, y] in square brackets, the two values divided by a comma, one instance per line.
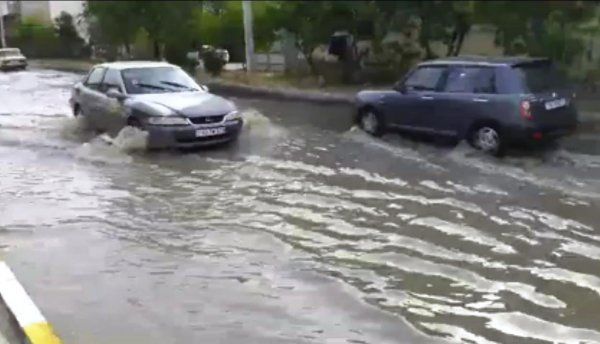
[540, 77]
[157, 80]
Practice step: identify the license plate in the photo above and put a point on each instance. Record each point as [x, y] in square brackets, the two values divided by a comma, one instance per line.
[210, 132]
[554, 104]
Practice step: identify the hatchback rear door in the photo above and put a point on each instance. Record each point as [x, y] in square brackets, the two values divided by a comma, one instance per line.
[469, 94]
[550, 98]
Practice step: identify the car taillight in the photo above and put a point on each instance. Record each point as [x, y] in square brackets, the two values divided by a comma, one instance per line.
[526, 110]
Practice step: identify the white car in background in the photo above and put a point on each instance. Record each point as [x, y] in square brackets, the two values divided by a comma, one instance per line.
[11, 58]
[223, 54]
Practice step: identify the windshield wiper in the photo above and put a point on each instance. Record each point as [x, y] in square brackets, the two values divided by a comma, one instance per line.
[156, 87]
[176, 84]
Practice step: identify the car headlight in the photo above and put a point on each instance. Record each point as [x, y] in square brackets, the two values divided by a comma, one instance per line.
[168, 120]
[233, 116]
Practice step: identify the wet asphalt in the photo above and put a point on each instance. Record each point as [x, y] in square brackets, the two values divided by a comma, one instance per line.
[306, 231]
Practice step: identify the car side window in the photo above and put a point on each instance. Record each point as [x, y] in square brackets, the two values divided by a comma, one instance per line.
[425, 78]
[480, 80]
[112, 79]
[95, 78]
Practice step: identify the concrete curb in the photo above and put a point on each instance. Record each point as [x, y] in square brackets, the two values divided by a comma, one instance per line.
[58, 67]
[28, 316]
[280, 94]
[218, 86]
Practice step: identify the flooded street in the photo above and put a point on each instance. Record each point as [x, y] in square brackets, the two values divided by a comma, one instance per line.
[305, 231]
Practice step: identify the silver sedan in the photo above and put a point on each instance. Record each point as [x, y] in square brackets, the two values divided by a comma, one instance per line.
[156, 97]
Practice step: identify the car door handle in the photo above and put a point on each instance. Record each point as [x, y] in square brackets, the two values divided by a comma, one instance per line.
[481, 100]
[427, 97]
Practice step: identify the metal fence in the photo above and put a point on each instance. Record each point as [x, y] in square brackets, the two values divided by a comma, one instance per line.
[269, 62]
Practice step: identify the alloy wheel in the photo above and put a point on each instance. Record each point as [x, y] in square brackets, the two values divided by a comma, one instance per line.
[487, 139]
[370, 122]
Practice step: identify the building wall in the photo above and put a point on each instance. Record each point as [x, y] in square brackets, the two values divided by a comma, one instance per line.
[46, 11]
[36, 9]
[4, 7]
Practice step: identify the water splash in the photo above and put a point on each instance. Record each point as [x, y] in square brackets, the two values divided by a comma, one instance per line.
[131, 139]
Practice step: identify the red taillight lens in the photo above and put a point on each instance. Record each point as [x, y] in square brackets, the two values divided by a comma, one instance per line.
[526, 110]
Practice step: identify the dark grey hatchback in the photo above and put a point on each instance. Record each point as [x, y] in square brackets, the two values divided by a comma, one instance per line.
[490, 102]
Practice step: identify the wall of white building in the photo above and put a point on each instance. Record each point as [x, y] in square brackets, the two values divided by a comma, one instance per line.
[3, 7]
[46, 11]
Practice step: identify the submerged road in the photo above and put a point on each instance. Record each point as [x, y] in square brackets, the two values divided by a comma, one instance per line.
[307, 231]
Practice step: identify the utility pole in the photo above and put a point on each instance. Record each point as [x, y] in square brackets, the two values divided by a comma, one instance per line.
[248, 34]
[2, 38]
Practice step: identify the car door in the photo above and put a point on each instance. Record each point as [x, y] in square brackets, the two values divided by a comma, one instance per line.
[411, 107]
[112, 117]
[468, 95]
[91, 97]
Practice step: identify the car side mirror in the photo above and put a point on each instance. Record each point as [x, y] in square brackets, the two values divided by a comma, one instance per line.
[400, 87]
[204, 88]
[115, 94]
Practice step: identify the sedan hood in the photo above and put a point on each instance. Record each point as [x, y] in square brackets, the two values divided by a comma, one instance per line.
[189, 104]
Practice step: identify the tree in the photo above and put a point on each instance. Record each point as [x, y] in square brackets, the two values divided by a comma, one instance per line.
[445, 21]
[169, 24]
[112, 22]
[314, 22]
[222, 26]
[37, 39]
[538, 27]
[69, 40]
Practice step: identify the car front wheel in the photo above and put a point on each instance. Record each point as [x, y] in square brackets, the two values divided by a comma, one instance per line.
[370, 121]
[135, 123]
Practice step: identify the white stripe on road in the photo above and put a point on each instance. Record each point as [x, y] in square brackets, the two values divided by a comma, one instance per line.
[3, 340]
[29, 317]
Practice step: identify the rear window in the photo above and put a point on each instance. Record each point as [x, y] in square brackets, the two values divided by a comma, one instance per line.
[540, 77]
[471, 80]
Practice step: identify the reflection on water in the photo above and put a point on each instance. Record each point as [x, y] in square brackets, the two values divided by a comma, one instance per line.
[461, 245]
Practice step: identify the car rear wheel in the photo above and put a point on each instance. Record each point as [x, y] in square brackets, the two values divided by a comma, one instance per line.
[370, 121]
[488, 139]
[77, 111]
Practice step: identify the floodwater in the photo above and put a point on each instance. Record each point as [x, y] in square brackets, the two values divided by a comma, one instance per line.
[306, 231]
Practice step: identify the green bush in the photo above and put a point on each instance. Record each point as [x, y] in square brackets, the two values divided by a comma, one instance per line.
[36, 40]
[44, 41]
[212, 62]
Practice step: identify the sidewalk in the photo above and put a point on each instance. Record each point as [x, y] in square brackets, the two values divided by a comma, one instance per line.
[223, 85]
[66, 65]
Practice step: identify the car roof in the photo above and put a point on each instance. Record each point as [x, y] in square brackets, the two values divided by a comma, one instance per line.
[506, 61]
[120, 65]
